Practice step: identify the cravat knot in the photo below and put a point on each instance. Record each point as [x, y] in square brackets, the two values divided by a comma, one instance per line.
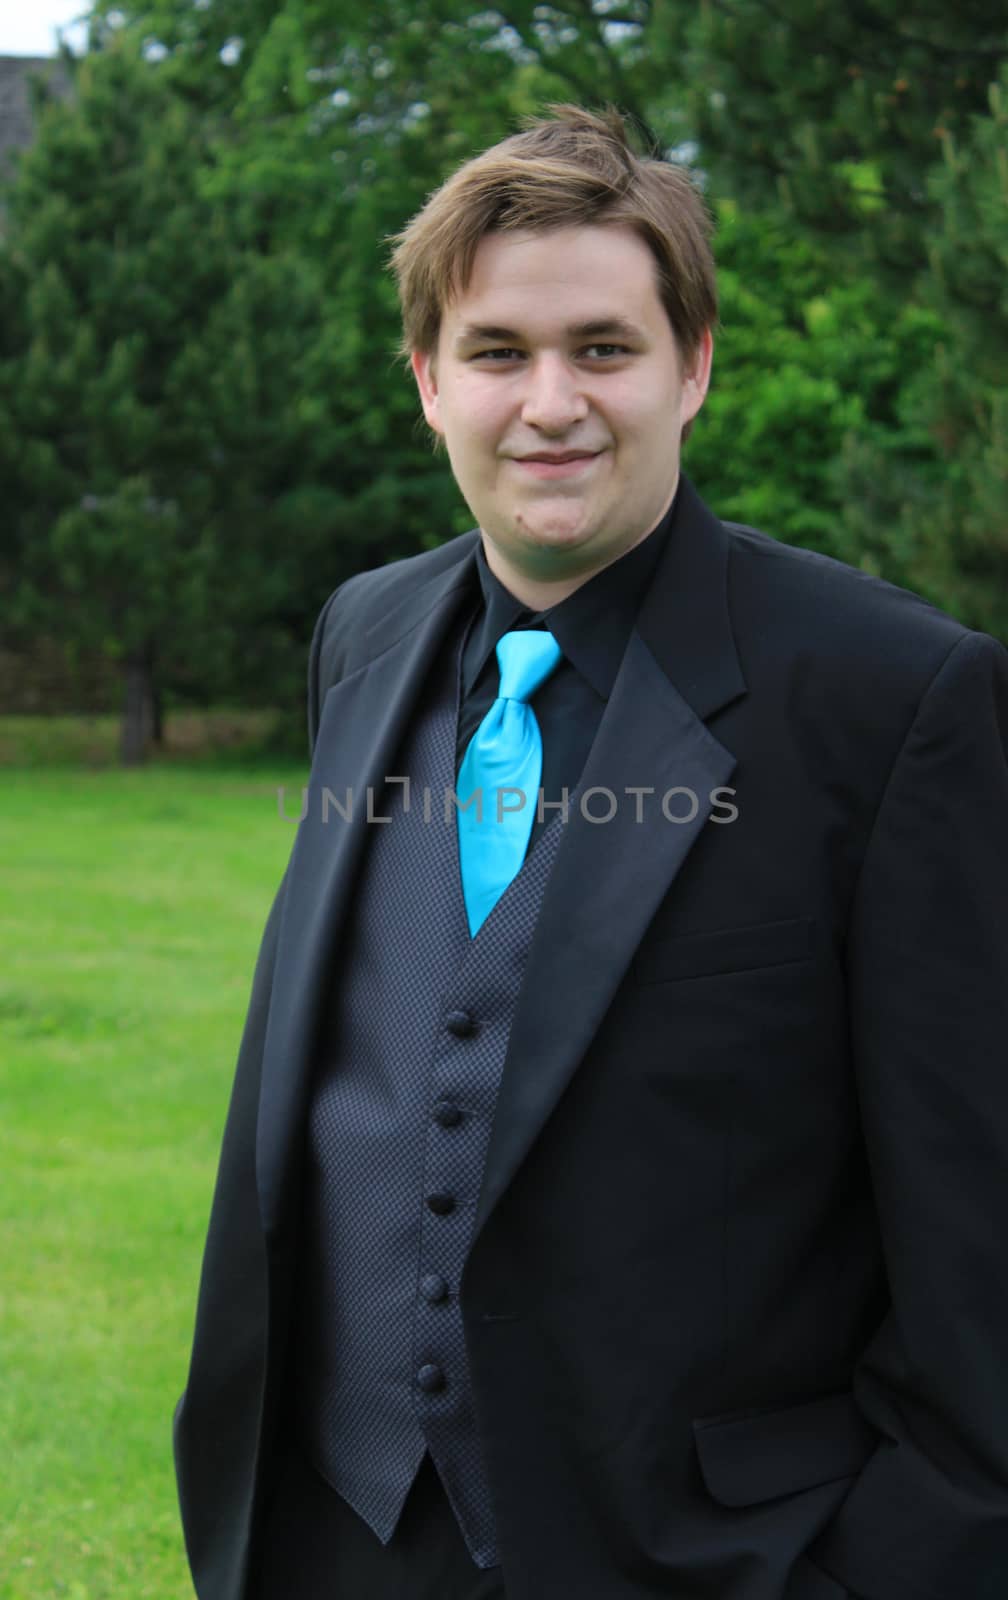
[526, 658]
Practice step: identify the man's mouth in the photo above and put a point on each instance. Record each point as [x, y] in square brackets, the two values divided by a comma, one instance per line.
[563, 464]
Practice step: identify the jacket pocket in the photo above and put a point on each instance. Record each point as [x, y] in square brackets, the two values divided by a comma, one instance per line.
[697, 955]
[746, 1459]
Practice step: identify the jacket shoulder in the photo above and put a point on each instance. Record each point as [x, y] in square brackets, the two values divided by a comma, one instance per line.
[362, 602]
[832, 617]
[385, 586]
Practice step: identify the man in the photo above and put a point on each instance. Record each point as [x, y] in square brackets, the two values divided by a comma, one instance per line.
[611, 1202]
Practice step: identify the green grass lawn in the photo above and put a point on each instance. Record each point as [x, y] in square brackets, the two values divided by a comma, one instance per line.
[131, 907]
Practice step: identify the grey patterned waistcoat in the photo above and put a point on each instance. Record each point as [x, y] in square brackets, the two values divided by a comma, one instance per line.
[399, 1124]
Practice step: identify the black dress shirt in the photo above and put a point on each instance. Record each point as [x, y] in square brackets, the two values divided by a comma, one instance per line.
[592, 627]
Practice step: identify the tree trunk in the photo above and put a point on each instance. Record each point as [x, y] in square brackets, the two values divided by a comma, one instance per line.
[138, 709]
[157, 711]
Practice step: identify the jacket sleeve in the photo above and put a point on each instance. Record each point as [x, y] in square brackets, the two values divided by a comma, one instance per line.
[927, 1518]
[218, 1421]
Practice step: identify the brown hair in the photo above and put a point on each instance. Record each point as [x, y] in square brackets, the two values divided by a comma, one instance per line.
[572, 168]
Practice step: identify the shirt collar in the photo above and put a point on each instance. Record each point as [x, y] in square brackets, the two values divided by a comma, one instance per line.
[592, 626]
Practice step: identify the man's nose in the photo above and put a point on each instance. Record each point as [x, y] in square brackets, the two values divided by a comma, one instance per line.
[553, 397]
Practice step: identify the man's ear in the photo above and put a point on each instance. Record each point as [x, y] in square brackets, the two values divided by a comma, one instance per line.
[696, 377]
[426, 381]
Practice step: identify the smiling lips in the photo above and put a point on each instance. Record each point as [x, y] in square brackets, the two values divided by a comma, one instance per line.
[558, 464]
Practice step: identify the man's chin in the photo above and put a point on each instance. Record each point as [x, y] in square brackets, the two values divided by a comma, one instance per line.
[562, 527]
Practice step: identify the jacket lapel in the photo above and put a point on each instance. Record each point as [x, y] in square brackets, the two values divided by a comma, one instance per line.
[364, 719]
[609, 878]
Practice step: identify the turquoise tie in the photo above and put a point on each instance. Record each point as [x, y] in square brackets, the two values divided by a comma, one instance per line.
[504, 752]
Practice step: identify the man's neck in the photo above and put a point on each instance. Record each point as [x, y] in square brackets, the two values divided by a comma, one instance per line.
[536, 593]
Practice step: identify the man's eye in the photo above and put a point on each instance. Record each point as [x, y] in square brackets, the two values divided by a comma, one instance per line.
[596, 352]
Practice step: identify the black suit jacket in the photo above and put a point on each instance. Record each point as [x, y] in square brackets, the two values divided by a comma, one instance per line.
[736, 1305]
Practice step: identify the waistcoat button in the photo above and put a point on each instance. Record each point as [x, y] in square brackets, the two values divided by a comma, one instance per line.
[433, 1287]
[460, 1023]
[441, 1204]
[430, 1378]
[448, 1115]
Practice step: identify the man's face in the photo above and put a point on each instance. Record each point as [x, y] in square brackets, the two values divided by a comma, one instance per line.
[560, 347]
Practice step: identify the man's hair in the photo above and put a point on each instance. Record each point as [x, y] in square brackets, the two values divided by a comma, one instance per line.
[573, 168]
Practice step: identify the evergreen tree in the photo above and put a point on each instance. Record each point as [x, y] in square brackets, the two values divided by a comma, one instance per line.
[167, 383]
[947, 521]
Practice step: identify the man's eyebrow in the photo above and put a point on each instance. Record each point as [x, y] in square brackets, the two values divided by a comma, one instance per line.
[479, 332]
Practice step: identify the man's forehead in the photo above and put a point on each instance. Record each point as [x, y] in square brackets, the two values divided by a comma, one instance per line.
[594, 282]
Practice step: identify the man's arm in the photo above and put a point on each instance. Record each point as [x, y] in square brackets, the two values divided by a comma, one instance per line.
[927, 1519]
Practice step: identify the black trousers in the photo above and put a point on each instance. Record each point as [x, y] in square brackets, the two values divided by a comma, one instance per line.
[315, 1547]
